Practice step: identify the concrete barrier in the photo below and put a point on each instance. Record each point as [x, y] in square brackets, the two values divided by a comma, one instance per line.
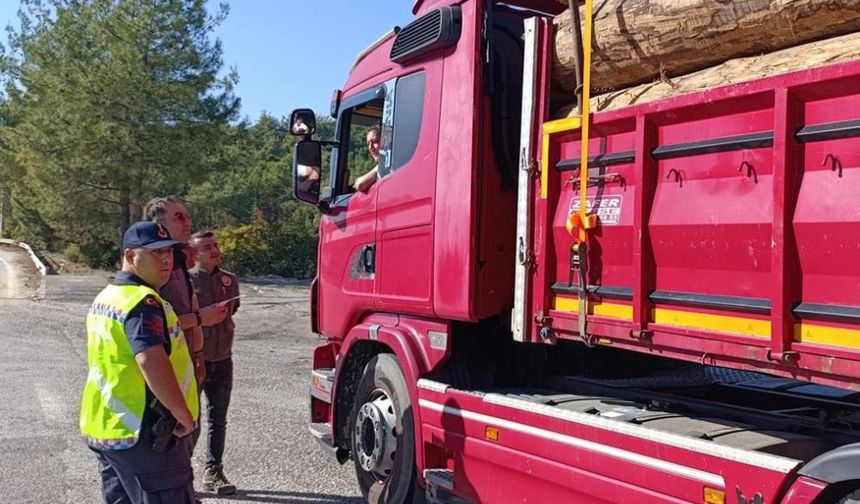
[43, 269]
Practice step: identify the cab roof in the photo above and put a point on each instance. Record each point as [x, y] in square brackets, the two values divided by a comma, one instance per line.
[554, 7]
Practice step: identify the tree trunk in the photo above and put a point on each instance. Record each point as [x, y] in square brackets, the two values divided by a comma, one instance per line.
[4, 207]
[124, 208]
[639, 41]
[813, 54]
[137, 201]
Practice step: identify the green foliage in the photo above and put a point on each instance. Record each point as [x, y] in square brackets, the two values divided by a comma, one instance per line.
[73, 252]
[262, 247]
[110, 102]
[261, 228]
[259, 248]
[246, 247]
[255, 175]
[99, 249]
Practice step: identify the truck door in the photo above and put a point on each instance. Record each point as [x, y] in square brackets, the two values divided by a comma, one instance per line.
[347, 267]
[406, 189]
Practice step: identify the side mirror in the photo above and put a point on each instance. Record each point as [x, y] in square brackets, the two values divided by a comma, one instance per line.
[303, 122]
[307, 167]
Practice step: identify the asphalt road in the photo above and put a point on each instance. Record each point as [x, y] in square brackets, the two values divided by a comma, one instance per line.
[270, 454]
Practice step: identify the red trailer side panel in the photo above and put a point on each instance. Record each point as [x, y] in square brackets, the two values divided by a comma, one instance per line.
[741, 249]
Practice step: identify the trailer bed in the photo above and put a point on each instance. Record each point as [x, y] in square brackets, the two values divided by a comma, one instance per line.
[729, 228]
[615, 438]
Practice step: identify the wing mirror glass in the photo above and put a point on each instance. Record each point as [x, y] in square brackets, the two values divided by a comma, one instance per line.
[303, 122]
[307, 167]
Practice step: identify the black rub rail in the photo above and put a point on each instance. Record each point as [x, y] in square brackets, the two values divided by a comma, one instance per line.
[806, 134]
[805, 311]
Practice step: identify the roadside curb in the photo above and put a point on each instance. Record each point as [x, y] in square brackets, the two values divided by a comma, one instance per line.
[43, 269]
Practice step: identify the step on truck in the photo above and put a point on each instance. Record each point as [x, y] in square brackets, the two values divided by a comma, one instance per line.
[658, 303]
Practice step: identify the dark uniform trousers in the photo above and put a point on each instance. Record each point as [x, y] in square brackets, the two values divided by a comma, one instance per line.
[141, 476]
[217, 388]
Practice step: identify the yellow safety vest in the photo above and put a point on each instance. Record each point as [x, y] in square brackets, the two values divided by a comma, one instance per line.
[114, 398]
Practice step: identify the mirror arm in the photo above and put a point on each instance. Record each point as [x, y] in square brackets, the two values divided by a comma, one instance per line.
[324, 206]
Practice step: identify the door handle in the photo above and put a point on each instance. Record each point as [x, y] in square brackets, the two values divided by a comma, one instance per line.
[368, 258]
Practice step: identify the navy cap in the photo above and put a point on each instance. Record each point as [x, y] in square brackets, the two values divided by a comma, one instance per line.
[148, 235]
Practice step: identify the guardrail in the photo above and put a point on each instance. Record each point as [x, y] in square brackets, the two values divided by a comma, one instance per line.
[36, 261]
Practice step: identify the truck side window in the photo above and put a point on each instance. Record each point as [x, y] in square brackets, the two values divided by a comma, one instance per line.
[360, 160]
[408, 112]
[354, 158]
[396, 107]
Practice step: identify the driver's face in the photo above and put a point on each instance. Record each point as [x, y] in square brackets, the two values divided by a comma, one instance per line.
[373, 144]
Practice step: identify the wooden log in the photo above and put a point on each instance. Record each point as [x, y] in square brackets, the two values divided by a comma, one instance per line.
[806, 56]
[638, 41]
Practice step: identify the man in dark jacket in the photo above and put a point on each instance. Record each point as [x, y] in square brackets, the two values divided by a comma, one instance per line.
[216, 286]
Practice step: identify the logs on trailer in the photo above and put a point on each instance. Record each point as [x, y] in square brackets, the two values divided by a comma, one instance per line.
[830, 51]
[640, 41]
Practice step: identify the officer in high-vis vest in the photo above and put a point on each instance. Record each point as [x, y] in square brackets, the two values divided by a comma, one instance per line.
[140, 380]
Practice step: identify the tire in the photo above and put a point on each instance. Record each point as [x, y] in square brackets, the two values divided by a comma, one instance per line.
[852, 498]
[384, 457]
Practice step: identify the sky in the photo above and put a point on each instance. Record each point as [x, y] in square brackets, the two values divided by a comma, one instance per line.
[291, 53]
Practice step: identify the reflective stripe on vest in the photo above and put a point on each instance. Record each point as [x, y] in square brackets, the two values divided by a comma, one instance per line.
[114, 398]
[131, 420]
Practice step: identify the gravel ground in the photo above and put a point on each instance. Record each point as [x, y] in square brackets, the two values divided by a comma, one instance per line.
[270, 454]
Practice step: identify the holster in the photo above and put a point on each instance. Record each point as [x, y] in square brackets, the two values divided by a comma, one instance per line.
[163, 439]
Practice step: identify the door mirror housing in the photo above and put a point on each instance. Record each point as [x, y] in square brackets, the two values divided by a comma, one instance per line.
[307, 170]
[303, 122]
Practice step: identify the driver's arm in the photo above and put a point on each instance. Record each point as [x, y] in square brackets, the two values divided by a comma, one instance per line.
[364, 182]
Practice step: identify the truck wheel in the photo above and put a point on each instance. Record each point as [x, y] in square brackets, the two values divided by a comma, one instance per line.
[852, 498]
[383, 434]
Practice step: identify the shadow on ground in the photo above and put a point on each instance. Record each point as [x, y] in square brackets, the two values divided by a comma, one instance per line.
[279, 497]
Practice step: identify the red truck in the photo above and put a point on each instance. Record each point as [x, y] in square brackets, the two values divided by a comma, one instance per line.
[701, 343]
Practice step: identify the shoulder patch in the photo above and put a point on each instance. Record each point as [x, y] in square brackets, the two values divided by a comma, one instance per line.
[162, 232]
[151, 301]
[226, 281]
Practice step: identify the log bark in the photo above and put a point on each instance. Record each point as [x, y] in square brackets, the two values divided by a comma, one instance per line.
[806, 56]
[638, 41]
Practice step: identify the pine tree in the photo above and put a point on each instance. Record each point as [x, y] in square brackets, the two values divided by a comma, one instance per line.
[114, 101]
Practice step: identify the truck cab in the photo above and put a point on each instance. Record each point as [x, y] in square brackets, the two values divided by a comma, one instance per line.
[445, 91]
[453, 367]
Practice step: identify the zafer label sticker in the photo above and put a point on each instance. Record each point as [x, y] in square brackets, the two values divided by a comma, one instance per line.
[608, 208]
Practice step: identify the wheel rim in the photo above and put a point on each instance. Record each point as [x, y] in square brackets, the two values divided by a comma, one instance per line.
[375, 437]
